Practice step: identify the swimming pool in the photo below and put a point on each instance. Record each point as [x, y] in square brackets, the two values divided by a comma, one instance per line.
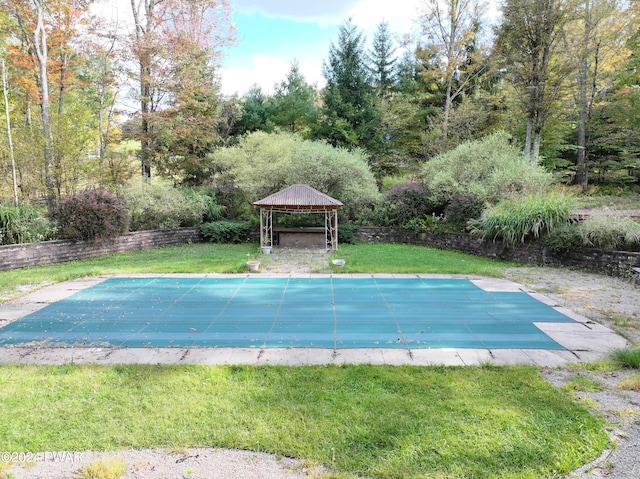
[289, 312]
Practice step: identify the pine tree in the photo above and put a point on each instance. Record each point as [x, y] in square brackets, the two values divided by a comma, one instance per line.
[294, 102]
[349, 117]
[383, 60]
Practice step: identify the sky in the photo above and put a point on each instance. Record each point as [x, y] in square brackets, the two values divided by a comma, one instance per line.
[274, 33]
[271, 34]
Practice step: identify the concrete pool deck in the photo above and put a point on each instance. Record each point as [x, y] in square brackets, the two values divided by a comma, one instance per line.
[583, 339]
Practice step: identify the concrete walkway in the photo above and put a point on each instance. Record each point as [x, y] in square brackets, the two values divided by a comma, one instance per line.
[584, 340]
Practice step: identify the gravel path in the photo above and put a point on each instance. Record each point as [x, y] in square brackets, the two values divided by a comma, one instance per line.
[610, 301]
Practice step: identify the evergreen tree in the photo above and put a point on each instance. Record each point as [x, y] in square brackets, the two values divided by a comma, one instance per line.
[256, 112]
[294, 103]
[349, 115]
[383, 60]
[184, 134]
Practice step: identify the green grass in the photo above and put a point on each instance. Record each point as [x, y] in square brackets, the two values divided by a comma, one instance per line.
[583, 383]
[111, 468]
[375, 421]
[621, 200]
[401, 258]
[220, 258]
[188, 258]
[627, 357]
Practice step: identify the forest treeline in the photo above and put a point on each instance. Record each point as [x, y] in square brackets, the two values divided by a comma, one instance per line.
[558, 78]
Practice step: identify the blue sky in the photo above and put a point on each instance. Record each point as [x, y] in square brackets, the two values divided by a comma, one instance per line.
[273, 33]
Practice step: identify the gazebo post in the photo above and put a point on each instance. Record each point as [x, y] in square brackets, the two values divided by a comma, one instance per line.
[331, 229]
[266, 229]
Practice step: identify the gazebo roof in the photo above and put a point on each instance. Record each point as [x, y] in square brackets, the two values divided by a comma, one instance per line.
[299, 197]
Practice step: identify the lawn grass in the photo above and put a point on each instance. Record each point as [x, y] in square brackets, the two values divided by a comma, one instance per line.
[187, 258]
[220, 258]
[373, 421]
[402, 258]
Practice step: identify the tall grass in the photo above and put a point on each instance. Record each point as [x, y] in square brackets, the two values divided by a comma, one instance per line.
[518, 218]
[627, 357]
[23, 224]
[611, 232]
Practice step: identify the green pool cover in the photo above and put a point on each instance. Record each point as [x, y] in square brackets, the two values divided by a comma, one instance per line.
[328, 312]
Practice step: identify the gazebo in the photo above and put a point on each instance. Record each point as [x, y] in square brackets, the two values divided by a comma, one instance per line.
[299, 199]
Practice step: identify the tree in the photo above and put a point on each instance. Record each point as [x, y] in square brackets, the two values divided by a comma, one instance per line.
[349, 117]
[161, 29]
[451, 28]
[596, 45]
[256, 112]
[44, 58]
[527, 42]
[30, 17]
[294, 103]
[383, 60]
[185, 133]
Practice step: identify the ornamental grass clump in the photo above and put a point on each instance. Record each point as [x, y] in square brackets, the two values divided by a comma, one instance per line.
[611, 232]
[515, 219]
[627, 357]
[24, 224]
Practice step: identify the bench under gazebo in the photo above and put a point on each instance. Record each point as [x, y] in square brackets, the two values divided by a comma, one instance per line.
[299, 199]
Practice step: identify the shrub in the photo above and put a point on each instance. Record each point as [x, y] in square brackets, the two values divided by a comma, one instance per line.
[226, 231]
[514, 219]
[463, 207]
[211, 210]
[423, 223]
[262, 164]
[405, 202]
[611, 232]
[347, 233]
[564, 238]
[157, 204]
[24, 224]
[492, 169]
[91, 215]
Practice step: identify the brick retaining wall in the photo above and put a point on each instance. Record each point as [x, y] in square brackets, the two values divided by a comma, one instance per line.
[46, 252]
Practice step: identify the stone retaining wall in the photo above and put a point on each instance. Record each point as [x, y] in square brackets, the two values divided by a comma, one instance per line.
[614, 263]
[46, 252]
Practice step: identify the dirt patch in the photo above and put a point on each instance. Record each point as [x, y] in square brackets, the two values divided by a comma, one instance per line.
[612, 302]
[202, 463]
[293, 261]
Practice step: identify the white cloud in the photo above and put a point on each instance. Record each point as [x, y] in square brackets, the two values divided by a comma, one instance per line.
[325, 12]
[266, 72]
[400, 14]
